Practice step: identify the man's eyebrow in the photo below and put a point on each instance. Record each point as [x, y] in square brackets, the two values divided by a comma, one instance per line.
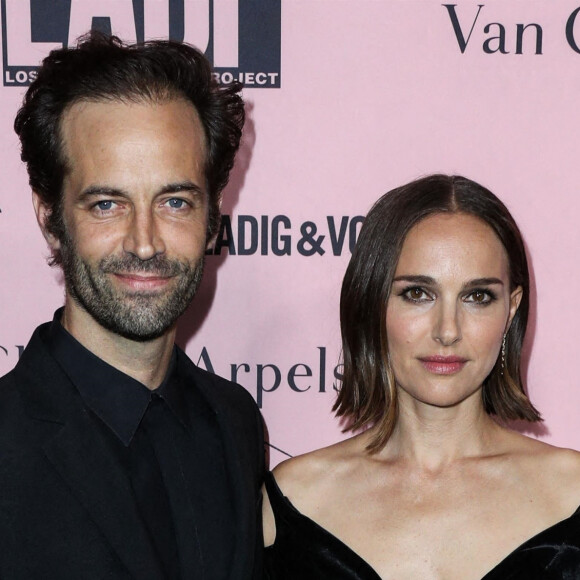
[182, 186]
[102, 190]
[94, 190]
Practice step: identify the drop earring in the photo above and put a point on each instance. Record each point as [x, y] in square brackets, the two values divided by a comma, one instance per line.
[503, 354]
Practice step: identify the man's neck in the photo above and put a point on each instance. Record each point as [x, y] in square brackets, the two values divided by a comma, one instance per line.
[145, 361]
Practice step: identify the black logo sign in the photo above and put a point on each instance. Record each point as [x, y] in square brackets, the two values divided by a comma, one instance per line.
[240, 37]
[246, 235]
[517, 38]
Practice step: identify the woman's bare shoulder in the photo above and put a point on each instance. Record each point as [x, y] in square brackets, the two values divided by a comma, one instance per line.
[562, 463]
[306, 479]
[312, 472]
[551, 468]
[535, 450]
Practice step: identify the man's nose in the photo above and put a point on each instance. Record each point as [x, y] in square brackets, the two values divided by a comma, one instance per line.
[143, 239]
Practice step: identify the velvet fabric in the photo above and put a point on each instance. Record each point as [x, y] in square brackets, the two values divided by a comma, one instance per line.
[305, 550]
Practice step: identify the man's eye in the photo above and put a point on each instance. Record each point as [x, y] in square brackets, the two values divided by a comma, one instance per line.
[105, 205]
[175, 203]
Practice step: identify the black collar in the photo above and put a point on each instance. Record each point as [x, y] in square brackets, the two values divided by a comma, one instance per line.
[116, 398]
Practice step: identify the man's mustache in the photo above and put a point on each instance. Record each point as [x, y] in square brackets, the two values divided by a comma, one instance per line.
[132, 264]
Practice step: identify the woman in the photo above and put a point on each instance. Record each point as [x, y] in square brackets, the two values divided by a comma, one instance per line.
[434, 308]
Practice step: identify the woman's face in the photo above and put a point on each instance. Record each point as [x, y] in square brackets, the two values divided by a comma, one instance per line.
[449, 307]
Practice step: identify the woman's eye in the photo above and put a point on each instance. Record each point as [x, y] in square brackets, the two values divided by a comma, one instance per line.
[416, 295]
[480, 297]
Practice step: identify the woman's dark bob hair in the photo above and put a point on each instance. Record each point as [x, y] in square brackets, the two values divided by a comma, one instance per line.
[368, 396]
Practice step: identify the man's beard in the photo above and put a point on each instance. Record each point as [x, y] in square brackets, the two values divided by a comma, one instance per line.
[136, 315]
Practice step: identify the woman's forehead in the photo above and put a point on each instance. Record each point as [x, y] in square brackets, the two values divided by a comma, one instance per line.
[455, 244]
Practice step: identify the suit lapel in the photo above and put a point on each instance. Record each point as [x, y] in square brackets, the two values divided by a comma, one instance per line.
[79, 454]
[237, 460]
[242, 486]
[99, 484]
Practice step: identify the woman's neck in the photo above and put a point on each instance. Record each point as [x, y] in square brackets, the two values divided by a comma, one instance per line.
[433, 437]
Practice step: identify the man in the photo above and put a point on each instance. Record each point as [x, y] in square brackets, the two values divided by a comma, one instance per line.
[119, 458]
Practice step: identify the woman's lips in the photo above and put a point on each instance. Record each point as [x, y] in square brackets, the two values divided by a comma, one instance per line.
[443, 365]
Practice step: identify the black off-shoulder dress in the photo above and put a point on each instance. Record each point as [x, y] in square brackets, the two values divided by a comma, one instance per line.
[303, 550]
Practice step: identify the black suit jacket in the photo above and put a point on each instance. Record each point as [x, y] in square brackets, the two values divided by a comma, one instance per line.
[66, 506]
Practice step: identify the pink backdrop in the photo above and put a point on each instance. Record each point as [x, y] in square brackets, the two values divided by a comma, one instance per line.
[373, 94]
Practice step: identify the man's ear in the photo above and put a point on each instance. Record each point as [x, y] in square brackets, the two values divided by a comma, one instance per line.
[210, 242]
[210, 245]
[43, 212]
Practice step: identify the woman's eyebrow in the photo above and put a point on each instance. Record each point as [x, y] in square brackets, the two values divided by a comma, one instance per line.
[414, 279]
[429, 281]
[482, 282]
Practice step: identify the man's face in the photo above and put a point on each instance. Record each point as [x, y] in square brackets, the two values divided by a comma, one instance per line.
[135, 213]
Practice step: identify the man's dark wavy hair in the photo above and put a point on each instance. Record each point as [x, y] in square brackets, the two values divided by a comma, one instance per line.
[103, 68]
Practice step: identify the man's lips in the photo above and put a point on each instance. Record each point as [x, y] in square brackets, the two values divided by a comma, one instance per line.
[443, 365]
[142, 281]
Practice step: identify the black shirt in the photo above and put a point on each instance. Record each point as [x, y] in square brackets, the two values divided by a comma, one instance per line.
[168, 443]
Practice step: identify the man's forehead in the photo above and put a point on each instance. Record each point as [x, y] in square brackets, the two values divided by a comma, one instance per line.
[82, 108]
[111, 114]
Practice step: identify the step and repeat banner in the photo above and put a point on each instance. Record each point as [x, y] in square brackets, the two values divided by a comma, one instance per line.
[346, 99]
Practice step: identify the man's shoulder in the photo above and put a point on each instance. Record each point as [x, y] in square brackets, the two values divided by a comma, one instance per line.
[216, 388]
[30, 359]
[14, 413]
[237, 412]
[35, 387]
[35, 352]
[8, 392]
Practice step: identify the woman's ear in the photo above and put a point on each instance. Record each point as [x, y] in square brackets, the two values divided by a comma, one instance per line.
[515, 299]
[43, 211]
